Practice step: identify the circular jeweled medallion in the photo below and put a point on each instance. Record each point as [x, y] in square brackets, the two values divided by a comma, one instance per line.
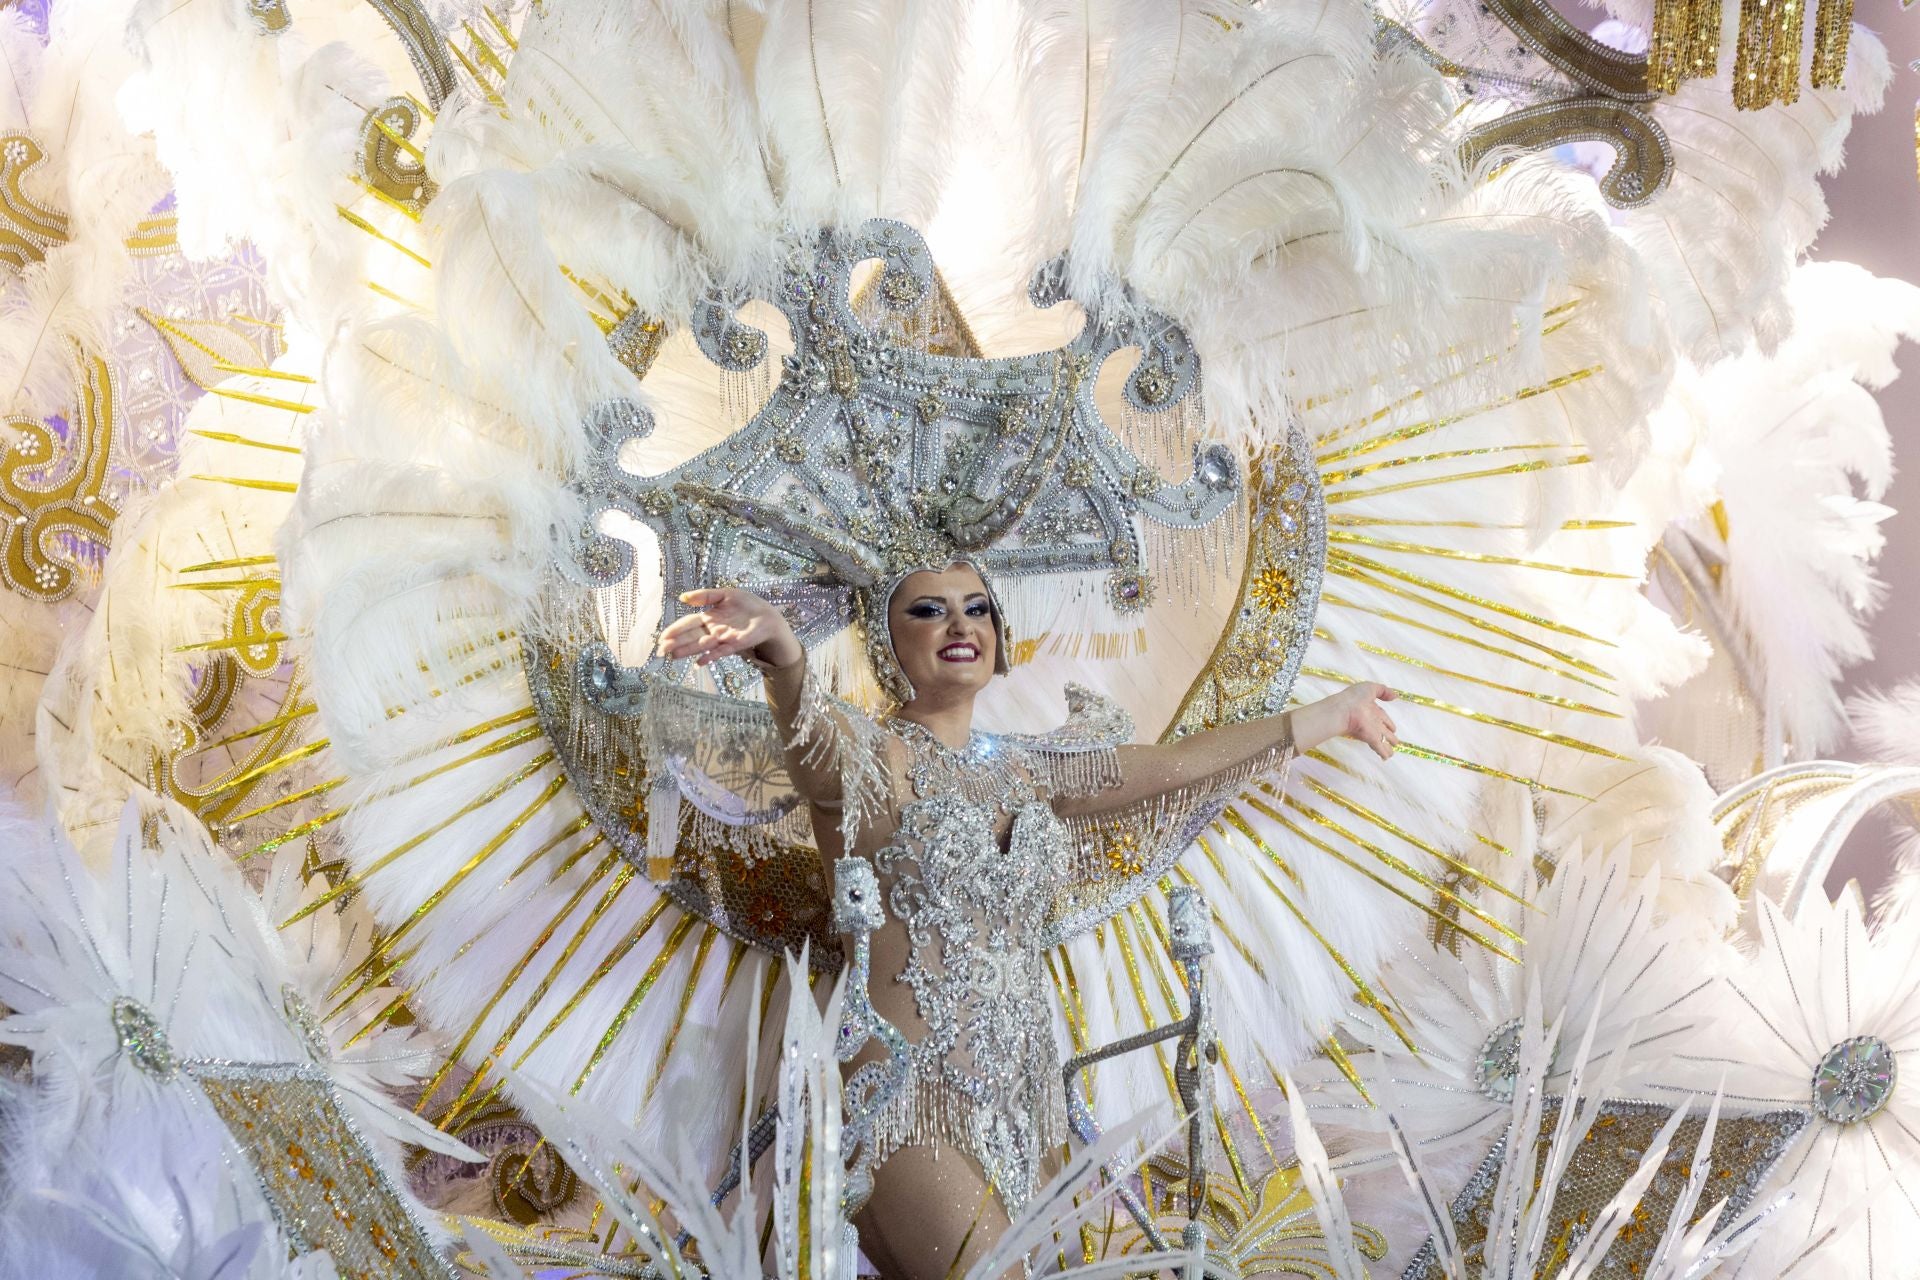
[1854, 1080]
[1498, 1063]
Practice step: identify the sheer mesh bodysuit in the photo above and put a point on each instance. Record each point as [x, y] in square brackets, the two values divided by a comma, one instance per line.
[986, 857]
[970, 866]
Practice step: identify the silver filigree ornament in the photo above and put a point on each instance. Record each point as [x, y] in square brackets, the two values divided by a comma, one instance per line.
[1854, 1080]
[1497, 1065]
[873, 459]
[144, 1039]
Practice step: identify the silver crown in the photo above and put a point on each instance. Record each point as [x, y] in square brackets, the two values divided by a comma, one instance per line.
[874, 458]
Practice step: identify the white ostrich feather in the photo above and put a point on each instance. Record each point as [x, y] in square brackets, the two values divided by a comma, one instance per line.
[139, 1190]
[1886, 727]
[99, 175]
[1795, 451]
[1744, 202]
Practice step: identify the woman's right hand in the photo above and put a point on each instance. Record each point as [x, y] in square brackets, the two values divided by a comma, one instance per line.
[726, 621]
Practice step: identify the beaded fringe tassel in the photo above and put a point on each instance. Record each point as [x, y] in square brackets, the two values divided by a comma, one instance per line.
[930, 1112]
[1767, 69]
[1684, 43]
[1832, 30]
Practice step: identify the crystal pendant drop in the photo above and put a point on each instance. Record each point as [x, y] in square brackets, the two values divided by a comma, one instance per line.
[1854, 1080]
[144, 1039]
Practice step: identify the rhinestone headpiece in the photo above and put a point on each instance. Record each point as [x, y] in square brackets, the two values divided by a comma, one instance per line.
[874, 458]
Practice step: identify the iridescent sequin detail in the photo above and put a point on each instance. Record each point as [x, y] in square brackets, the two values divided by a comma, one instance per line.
[972, 874]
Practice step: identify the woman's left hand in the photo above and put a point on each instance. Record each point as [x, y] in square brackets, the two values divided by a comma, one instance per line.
[1354, 712]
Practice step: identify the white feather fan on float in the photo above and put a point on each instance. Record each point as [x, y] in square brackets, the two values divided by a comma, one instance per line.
[1444, 384]
[1821, 1015]
[1597, 952]
[1534, 1211]
[137, 987]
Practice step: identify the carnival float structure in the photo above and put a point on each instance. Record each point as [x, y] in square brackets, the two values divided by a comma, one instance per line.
[378, 372]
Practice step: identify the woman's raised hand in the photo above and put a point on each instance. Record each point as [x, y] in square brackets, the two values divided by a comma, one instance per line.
[727, 621]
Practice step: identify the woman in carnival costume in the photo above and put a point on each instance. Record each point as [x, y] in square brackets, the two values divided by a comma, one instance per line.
[980, 844]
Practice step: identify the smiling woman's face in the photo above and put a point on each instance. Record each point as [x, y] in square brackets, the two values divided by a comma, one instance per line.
[943, 632]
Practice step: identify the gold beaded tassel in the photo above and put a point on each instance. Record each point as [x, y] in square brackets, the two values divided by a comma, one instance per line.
[1768, 67]
[1832, 29]
[1684, 43]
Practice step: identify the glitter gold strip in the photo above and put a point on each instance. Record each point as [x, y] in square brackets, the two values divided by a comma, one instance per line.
[1424, 908]
[1399, 865]
[249, 482]
[1415, 430]
[1441, 757]
[687, 988]
[480, 857]
[1477, 557]
[1445, 455]
[319, 789]
[1565, 704]
[642, 989]
[278, 762]
[1344, 558]
[1342, 567]
[264, 401]
[1338, 1056]
[1513, 726]
[227, 584]
[393, 297]
[1457, 477]
[1327, 597]
[1361, 988]
[295, 833]
[565, 833]
[1132, 967]
[1431, 850]
[355, 881]
[228, 437]
[623, 874]
[262, 371]
[238, 562]
[607, 964]
[300, 711]
[355, 220]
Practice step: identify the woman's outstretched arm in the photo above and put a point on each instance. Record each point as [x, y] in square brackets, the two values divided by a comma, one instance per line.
[1147, 772]
[731, 621]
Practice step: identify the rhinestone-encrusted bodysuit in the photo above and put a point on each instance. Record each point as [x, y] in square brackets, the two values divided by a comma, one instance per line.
[972, 874]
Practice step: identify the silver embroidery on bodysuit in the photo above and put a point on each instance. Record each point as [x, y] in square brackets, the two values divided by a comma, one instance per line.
[972, 874]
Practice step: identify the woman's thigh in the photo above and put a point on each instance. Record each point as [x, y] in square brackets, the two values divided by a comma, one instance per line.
[932, 1215]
